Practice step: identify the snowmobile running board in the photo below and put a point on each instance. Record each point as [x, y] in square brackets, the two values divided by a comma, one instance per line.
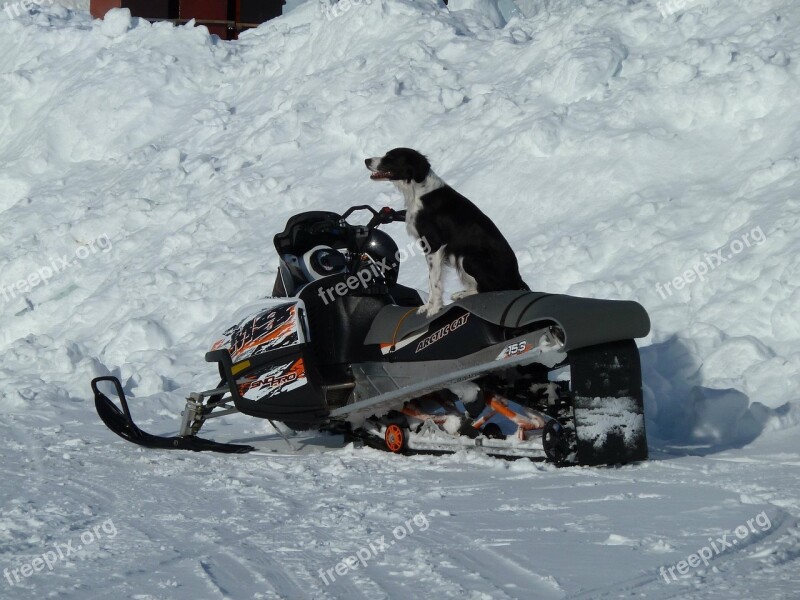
[430, 438]
[121, 423]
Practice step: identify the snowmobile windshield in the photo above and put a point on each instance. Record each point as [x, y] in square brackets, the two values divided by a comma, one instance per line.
[307, 230]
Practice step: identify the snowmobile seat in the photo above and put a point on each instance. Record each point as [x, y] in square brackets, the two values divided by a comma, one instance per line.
[405, 296]
[585, 321]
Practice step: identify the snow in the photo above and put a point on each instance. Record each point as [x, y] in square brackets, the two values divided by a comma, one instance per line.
[598, 416]
[144, 169]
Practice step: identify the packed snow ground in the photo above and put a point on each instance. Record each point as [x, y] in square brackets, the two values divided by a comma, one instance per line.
[617, 149]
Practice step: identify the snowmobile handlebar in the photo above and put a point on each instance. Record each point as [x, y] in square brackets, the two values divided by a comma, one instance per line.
[342, 228]
[387, 215]
[379, 217]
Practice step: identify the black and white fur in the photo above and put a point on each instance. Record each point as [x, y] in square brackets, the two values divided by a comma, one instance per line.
[457, 232]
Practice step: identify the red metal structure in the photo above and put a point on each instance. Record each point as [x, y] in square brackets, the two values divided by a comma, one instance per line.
[225, 18]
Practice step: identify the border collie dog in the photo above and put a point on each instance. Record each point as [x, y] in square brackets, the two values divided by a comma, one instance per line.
[456, 231]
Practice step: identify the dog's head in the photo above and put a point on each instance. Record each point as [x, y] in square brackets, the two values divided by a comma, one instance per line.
[400, 164]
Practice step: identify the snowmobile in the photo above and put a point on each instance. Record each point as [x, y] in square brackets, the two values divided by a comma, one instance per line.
[342, 346]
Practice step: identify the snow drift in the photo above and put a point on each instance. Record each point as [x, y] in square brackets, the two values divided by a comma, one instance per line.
[144, 169]
[617, 149]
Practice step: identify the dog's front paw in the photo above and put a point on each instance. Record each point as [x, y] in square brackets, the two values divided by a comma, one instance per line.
[463, 294]
[428, 309]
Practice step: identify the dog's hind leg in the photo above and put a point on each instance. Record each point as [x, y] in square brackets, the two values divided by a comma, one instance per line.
[470, 283]
[436, 298]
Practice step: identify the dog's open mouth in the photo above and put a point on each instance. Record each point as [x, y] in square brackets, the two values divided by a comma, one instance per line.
[381, 175]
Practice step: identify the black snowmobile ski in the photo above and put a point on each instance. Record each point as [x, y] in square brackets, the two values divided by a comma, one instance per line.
[121, 423]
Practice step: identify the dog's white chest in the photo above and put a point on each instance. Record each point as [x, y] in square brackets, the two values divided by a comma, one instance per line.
[412, 194]
[411, 219]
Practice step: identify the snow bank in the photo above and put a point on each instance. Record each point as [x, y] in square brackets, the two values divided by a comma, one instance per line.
[617, 149]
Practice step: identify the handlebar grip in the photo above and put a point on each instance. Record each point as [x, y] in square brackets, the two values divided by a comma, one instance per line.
[387, 215]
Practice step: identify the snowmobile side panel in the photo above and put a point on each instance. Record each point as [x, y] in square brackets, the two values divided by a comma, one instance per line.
[452, 335]
[338, 318]
[381, 386]
[608, 404]
[585, 321]
[121, 423]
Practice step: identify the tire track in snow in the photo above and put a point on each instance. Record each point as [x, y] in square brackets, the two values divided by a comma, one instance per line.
[733, 563]
[280, 572]
[471, 557]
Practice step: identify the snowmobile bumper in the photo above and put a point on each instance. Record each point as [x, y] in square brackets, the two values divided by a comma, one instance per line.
[121, 423]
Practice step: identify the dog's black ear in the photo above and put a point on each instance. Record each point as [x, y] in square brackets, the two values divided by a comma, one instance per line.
[420, 168]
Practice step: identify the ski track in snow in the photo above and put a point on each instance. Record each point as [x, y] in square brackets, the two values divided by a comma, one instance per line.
[203, 526]
[614, 147]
